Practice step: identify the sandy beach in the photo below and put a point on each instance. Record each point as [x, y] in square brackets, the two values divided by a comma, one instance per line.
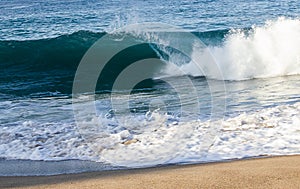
[273, 172]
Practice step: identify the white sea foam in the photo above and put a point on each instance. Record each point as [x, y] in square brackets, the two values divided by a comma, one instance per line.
[264, 51]
[271, 131]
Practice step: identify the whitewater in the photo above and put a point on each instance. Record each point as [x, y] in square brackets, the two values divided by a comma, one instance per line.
[265, 51]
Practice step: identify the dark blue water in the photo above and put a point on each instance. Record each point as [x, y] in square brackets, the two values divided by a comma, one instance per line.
[24, 19]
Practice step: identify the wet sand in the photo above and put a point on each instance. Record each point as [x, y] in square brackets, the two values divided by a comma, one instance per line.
[273, 172]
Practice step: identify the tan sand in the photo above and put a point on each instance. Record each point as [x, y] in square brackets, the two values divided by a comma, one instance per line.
[275, 172]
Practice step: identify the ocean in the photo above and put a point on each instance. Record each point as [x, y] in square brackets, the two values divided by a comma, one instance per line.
[99, 85]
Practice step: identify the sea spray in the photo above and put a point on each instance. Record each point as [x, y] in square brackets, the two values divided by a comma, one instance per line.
[263, 51]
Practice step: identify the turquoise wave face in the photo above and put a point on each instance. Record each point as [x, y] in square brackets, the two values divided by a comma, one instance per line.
[42, 65]
[49, 65]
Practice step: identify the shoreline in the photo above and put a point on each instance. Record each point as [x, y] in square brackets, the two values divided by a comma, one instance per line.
[50, 168]
[267, 172]
[41, 168]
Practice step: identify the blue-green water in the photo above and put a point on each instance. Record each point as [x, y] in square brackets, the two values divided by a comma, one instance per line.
[250, 109]
[43, 19]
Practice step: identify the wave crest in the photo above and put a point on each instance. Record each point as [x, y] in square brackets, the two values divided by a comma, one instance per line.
[260, 52]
